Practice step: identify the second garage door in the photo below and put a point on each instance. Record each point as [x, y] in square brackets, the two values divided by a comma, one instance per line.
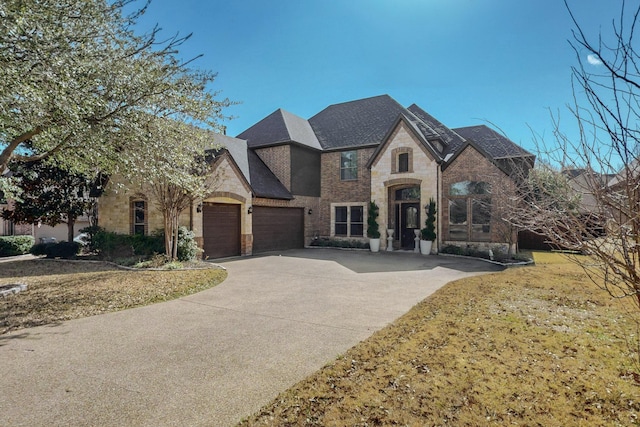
[277, 228]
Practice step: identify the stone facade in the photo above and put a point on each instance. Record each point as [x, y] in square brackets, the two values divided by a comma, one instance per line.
[385, 177]
[230, 187]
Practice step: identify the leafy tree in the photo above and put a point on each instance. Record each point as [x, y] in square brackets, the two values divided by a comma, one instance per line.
[51, 195]
[78, 87]
[178, 177]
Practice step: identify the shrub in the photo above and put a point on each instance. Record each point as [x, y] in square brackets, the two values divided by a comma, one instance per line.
[92, 231]
[327, 242]
[64, 250]
[40, 249]
[372, 221]
[113, 245]
[429, 230]
[15, 245]
[452, 250]
[187, 247]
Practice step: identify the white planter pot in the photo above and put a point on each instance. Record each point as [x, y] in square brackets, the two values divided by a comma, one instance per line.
[374, 245]
[425, 247]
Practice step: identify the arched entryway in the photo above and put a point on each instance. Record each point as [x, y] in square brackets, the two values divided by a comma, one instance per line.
[404, 214]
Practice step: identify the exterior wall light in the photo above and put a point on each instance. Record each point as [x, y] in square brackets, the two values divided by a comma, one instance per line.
[250, 210]
[310, 211]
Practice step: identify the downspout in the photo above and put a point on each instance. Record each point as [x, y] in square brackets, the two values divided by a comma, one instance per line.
[438, 192]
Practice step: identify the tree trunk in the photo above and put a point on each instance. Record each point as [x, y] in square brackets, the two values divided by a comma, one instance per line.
[71, 222]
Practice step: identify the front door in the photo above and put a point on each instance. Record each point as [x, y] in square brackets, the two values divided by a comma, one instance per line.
[409, 221]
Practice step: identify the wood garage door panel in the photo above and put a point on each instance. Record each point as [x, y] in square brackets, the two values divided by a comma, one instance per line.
[221, 230]
[277, 228]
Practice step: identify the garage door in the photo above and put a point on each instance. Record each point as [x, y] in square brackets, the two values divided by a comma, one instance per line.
[221, 230]
[277, 228]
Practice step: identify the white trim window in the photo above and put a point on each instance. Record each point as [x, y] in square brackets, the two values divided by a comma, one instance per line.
[347, 220]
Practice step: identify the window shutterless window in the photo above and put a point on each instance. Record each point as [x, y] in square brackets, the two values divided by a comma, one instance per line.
[341, 221]
[138, 217]
[470, 211]
[349, 221]
[357, 221]
[403, 162]
[349, 165]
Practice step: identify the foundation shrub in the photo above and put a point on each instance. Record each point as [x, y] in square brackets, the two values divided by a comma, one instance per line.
[15, 245]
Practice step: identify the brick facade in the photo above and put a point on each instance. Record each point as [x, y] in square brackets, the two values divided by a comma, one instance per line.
[471, 165]
[334, 190]
[278, 159]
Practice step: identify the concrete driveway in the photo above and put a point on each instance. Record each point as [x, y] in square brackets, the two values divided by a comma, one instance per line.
[215, 357]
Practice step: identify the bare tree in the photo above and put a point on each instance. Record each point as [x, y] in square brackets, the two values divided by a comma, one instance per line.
[597, 211]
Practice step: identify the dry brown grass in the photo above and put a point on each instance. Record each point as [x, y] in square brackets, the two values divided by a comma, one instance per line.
[534, 346]
[62, 290]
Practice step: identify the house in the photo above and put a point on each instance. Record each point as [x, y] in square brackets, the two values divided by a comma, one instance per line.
[286, 181]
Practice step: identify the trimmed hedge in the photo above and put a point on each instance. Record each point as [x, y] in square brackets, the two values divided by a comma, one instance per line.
[114, 245]
[15, 245]
[327, 242]
[64, 250]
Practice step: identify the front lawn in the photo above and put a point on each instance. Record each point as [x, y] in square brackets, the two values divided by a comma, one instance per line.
[536, 346]
[62, 290]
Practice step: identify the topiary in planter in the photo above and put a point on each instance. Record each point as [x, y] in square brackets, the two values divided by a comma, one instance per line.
[373, 231]
[429, 230]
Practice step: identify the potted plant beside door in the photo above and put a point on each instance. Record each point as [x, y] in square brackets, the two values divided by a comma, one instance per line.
[428, 233]
[373, 233]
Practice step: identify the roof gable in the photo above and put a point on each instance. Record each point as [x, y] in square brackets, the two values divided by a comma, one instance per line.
[280, 127]
[237, 149]
[258, 176]
[412, 128]
[357, 123]
[264, 182]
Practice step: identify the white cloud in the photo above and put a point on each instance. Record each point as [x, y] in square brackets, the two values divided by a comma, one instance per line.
[593, 60]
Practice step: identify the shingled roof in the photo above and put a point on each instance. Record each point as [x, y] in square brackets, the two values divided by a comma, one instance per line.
[280, 127]
[452, 141]
[261, 179]
[367, 122]
[492, 142]
[364, 122]
[263, 182]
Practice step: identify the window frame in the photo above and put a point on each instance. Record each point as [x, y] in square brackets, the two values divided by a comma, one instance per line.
[474, 196]
[349, 165]
[352, 227]
[396, 154]
[135, 224]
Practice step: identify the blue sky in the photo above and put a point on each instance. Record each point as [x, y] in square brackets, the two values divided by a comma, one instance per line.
[466, 62]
